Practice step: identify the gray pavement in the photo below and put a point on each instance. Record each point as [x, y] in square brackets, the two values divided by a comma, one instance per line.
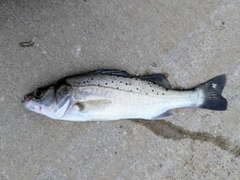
[190, 41]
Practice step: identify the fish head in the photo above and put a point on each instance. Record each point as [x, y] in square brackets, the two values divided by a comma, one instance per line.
[41, 100]
[51, 101]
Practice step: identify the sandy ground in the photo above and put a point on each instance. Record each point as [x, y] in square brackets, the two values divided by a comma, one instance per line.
[190, 41]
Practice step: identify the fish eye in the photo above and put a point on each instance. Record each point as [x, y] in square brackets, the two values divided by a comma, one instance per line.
[38, 93]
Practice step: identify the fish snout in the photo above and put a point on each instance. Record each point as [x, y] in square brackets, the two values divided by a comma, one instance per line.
[25, 100]
[28, 103]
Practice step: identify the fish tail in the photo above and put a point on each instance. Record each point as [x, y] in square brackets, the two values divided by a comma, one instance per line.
[211, 93]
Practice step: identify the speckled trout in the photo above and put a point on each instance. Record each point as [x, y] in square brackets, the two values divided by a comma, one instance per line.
[107, 94]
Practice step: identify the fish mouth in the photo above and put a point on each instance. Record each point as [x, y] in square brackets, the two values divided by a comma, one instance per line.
[25, 100]
[27, 103]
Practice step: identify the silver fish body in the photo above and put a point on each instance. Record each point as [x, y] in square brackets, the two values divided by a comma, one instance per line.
[113, 94]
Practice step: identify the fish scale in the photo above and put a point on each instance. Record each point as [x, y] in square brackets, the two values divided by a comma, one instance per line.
[131, 85]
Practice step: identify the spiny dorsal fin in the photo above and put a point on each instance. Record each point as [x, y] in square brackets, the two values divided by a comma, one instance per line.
[112, 72]
[160, 79]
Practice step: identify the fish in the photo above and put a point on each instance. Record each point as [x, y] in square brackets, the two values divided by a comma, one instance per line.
[112, 94]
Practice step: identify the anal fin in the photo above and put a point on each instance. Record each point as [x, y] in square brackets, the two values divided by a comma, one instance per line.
[164, 115]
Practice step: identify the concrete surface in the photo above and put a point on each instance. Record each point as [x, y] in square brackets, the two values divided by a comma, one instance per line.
[190, 41]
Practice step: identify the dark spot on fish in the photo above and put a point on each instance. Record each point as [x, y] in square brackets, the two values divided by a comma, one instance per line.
[106, 83]
[112, 81]
[162, 93]
[117, 88]
[146, 93]
[84, 82]
[98, 84]
[126, 83]
[166, 89]
[223, 23]
[137, 88]
[91, 78]
[130, 90]
[120, 81]
[152, 90]
[157, 93]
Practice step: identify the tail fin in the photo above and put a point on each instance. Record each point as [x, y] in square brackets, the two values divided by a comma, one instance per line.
[212, 90]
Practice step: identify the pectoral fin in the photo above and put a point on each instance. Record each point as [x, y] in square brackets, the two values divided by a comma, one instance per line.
[92, 105]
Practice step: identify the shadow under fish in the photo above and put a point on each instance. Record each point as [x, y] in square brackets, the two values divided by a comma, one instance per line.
[169, 130]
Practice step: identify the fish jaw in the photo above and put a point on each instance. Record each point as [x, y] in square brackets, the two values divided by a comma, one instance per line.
[32, 105]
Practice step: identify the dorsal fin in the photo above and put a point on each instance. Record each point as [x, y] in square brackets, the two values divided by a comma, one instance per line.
[160, 79]
[112, 72]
